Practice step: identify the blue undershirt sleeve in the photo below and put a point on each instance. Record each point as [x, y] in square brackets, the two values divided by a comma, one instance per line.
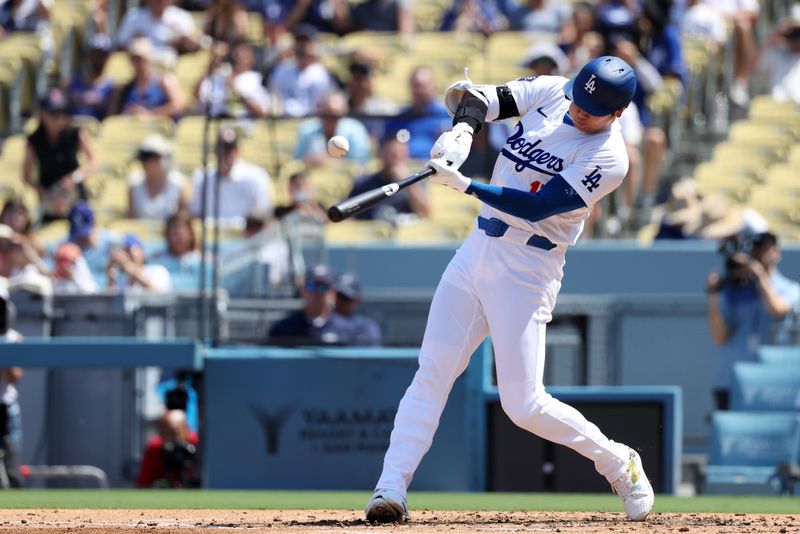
[555, 197]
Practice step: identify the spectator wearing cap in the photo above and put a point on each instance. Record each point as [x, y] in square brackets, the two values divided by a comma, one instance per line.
[412, 200]
[71, 274]
[779, 62]
[355, 329]
[151, 92]
[95, 245]
[425, 118]
[52, 155]
[127, 269]
[313, 133]
[234, 88]
[299, 82]
[545, 58]
[481, 16]
[314, 324]
[90, 93]
[244, 188]
[158, 190]
[171, 29]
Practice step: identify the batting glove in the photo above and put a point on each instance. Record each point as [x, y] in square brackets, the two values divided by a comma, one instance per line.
[447, 175]
[453, 146]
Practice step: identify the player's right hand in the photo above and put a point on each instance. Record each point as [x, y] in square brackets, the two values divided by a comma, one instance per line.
[453, 146]
[447, 175]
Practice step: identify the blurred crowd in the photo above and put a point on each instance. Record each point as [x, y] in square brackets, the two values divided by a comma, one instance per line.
[283, 72]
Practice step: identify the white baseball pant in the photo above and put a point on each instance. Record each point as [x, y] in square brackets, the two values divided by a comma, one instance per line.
[492, 286]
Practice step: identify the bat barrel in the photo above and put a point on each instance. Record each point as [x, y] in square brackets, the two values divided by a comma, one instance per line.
[352, 206]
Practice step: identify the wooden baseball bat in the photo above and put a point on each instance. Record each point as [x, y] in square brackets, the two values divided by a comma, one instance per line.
[351, 206]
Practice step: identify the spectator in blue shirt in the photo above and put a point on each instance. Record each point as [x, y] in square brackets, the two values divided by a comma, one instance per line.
[355, 329]
[90, 93]
[316, 323]
[426, 118]
[753, 304]
[95, 245]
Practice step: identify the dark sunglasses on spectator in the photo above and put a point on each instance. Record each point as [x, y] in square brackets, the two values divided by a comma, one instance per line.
[320, 287]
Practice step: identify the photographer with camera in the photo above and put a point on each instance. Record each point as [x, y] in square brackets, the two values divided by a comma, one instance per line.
[752, 304]
[170, 459]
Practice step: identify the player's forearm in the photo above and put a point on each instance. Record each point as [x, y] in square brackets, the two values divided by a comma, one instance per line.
[474, 109]
[556, 197]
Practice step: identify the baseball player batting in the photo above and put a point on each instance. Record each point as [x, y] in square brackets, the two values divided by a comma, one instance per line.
[564, 155]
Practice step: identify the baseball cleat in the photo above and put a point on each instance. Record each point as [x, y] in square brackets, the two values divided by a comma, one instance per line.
[387, 506]
[634, 489]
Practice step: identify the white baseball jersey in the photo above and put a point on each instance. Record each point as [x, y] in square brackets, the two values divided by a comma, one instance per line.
[503, 288]
[542, 145]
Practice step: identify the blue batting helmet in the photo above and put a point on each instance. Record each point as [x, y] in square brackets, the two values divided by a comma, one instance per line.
[603, 86]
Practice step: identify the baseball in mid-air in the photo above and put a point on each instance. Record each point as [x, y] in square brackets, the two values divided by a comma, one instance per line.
[338, 146]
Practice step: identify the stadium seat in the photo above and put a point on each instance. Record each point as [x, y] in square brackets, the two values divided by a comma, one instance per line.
[743, 152]
[769, 135]
[746, 449]
[764, 108]
[788, 356]
[119, 68]
[762, 387]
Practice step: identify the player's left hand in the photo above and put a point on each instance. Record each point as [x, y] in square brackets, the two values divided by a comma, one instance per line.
[453, 146]
[447, 175]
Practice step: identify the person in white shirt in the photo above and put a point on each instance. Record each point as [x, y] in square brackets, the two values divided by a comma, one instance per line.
[301, 82]
[129, 260]
[244, 189]
[779, 64]
[742, 15]
[158, 190]
[232, 86]
[171, 29]
[704, 22]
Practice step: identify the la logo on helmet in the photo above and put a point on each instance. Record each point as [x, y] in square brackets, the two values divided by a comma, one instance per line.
[589, 86]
